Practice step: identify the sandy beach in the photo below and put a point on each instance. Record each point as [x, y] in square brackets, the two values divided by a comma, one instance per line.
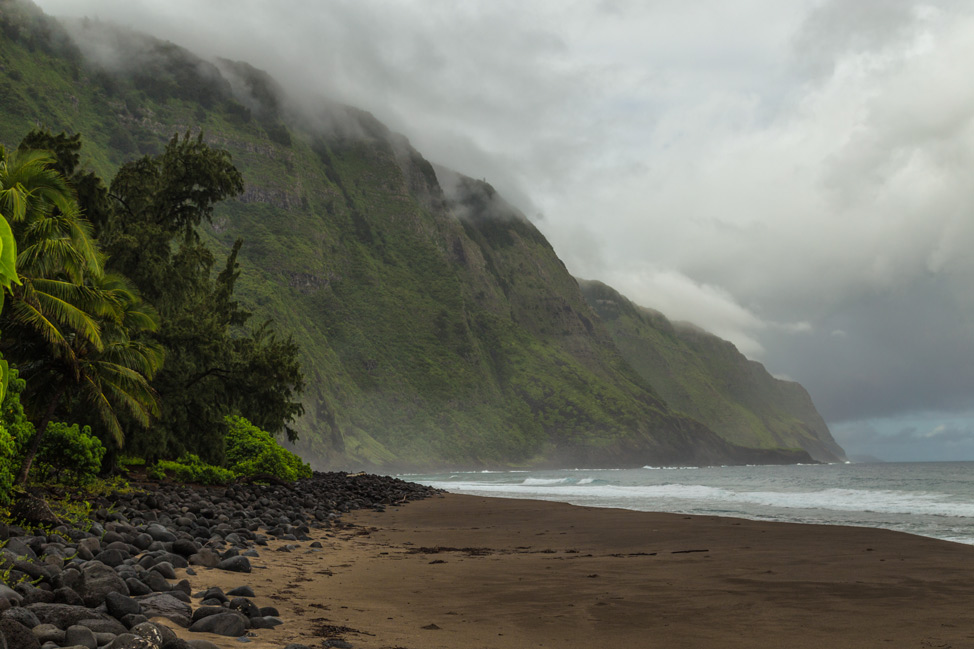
[462, 571]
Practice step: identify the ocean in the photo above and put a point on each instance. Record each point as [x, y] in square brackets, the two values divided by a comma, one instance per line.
[934, 499]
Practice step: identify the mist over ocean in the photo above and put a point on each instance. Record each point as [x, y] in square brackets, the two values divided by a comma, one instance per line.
[934, 499]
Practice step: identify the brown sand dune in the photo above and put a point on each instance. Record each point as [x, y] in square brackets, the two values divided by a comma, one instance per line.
[467, 572]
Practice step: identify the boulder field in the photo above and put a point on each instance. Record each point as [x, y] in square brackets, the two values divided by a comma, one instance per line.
[98, 585]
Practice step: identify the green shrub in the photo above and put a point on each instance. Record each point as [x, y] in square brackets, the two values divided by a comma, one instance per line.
[129, 462]
[252, 451]
[249, 451]
[12, 415]
[190, 468]
[15, 430]
[68, 453]
[8, 464]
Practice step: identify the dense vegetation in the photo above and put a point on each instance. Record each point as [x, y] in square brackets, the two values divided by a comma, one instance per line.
[433, 322]
[158, 378]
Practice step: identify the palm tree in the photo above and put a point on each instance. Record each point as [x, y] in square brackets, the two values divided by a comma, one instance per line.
[8, 244]
[74, 328]
[109, 378]
[57, 251]
[8, 252]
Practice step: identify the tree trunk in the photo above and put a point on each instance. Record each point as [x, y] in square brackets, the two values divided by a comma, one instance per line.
[38, 434]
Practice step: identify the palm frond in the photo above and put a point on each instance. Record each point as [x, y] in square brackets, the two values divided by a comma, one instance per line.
[13, 202]
[144, 357]
[91, 299]
[50, 257]
[129, 390]
[26, 315]
[68, 314]
[96, 397]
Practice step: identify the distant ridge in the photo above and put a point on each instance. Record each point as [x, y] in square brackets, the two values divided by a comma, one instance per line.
[707, 378]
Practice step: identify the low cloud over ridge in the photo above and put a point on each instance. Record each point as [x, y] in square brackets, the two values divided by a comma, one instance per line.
[792, 176]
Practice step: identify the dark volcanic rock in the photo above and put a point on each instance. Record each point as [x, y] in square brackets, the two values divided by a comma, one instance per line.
[80, 635]
[176, 643]
[103, 624]
[214, 593]
[133, 619]
[10, 594]
[65, 595]
[131, 641]
[167, 634]
[267, 622]
[164, 605]
[34, 570]
[120, 605]
[136, 587]
[229, 624]
[35, 511]
[182, 586]
[150, 632]
[235, 564]
[112, 558]
[17, 635]
[34, 595]
[245, 606]
[206, 558]
[165, 569]
[98, 580]
[160, 533]
[206, 644]
[185, 547]
[48, 633]
[206, 611]
[241, 591]
[23, 616]
[64, 615]
[157, 582]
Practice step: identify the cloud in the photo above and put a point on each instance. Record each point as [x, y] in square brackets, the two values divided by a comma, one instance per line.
[683, 299]
[776, 172]
[926, 437]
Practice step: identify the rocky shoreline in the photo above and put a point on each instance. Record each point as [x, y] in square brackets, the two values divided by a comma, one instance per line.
[98, 588]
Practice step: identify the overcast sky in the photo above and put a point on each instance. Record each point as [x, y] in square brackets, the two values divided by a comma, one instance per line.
[793, 176]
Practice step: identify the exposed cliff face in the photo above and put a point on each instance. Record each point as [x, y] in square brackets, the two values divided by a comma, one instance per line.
[438, 327]
[707, 378]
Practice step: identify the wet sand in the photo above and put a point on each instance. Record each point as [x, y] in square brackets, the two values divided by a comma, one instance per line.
[468, 572]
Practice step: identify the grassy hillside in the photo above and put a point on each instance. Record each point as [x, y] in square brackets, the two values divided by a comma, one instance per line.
[438, 327]
[705, 377]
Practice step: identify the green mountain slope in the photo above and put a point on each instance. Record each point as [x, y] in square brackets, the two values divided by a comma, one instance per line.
[709, 379]
[438, 327]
